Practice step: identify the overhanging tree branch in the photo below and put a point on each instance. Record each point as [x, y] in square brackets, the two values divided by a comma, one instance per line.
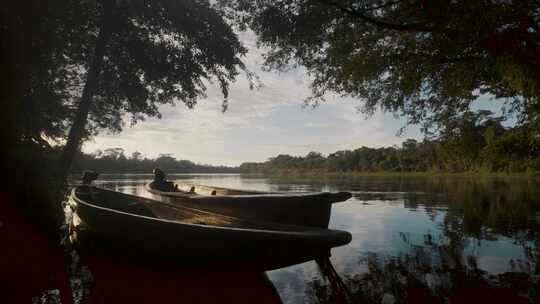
[387, 4]
[416, 26]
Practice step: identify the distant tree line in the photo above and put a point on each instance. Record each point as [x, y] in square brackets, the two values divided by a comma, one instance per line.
[114, 160]
[469, 142]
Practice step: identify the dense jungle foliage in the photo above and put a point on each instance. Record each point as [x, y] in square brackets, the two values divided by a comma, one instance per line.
[114, 160]
[471, 142]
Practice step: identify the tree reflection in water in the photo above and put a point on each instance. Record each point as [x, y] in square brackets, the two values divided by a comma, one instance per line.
[444, 267]
[433, 272]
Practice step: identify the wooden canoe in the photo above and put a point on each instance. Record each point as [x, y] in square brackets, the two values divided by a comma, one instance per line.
[303, 208]
[143, 227]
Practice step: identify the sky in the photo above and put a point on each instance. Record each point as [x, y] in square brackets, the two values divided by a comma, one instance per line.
[258, 124]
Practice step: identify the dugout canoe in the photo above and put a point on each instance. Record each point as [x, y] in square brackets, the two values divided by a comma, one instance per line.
[301, 208]
[145, 227]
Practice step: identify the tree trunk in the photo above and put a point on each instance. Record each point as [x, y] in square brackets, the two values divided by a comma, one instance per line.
[76, 132]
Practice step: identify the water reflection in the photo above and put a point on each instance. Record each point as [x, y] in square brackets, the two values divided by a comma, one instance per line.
[415, 239]
[482, 241]
[436, 271]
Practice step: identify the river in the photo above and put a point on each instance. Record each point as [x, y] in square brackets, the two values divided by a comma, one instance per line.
[430, 230]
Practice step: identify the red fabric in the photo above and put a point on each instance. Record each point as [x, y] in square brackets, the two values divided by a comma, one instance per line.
[483, 293]
[29, 263]
[124, 282]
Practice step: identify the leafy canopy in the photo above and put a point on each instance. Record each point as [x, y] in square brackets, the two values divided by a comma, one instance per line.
[411, 57]
[157, 52]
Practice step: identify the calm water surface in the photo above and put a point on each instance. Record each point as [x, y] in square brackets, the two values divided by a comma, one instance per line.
[431, 231]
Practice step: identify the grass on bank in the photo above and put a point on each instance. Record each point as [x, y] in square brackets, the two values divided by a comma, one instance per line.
[322, 173]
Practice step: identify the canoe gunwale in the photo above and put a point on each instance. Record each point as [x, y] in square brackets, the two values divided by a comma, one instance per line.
[331, 197]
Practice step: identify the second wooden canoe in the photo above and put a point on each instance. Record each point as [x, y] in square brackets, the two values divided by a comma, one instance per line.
[303, 208]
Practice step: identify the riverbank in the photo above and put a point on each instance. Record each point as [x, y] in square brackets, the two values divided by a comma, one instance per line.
[398, 173]
[315, 173]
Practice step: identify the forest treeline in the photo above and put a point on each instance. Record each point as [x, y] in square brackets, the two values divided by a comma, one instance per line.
[472, 142]
[114, 160]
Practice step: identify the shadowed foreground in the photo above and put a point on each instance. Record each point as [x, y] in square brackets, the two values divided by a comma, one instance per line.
[33, 268]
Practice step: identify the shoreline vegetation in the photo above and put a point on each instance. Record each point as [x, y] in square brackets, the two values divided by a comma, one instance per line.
[413, 159]
[473, 144]
[325, 174]
[400, 174]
